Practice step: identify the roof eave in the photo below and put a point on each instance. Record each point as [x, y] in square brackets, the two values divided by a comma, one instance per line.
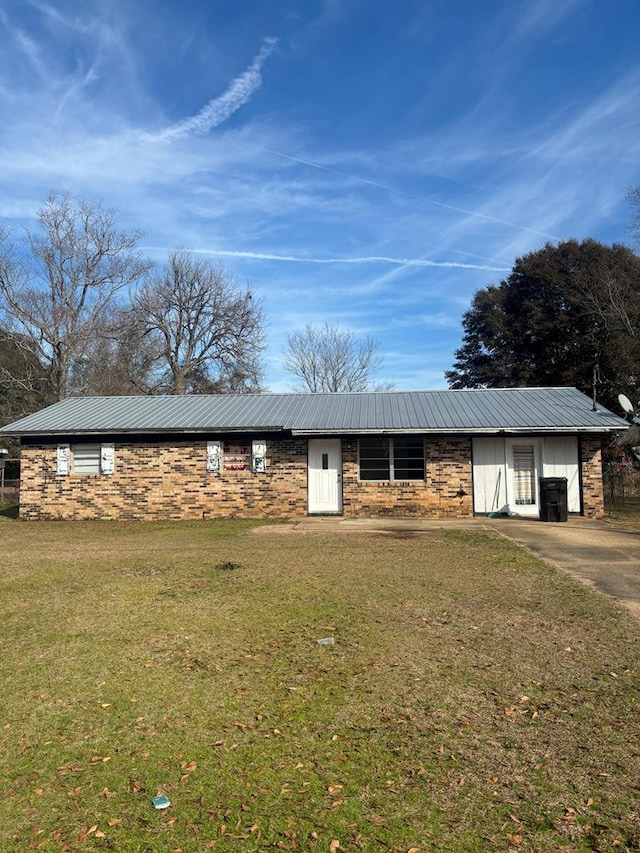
[464, 430]
[156, 431]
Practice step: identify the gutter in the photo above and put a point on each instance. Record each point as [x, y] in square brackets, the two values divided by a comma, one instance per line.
[570, 430]
[158, 431]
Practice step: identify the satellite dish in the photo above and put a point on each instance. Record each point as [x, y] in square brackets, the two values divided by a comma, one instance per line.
[626, 403]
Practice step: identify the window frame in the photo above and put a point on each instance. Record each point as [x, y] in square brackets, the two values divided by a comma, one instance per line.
[391, 458]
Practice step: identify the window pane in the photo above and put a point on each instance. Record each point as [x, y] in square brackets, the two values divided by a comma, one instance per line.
[524, 475]
[408, 458]
[374, 459]
[86, 458]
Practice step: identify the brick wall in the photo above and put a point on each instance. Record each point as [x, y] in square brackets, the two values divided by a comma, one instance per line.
[165, 480]
[446, 491]
[592, 485]
[169, 480]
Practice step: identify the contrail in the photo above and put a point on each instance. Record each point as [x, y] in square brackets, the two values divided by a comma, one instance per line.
[389, 189]
[219, 109]
[372, 259]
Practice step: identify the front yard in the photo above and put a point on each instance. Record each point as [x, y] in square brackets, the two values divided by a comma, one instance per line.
[474, 699]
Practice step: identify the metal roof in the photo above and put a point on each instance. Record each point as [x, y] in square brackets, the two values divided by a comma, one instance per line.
[466, 411]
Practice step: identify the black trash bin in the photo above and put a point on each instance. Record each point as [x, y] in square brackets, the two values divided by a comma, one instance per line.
[553, 499]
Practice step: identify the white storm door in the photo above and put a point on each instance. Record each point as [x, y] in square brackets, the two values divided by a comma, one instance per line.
[523, 477]
[325, 475]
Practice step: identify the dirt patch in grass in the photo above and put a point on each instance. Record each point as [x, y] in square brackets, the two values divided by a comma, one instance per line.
[474, 699]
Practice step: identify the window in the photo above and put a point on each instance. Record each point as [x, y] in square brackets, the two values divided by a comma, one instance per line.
[85, 459]
[524, 475]
[236, 456]
[398, 458]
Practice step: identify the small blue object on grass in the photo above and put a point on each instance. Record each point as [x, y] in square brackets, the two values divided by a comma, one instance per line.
[161, 802]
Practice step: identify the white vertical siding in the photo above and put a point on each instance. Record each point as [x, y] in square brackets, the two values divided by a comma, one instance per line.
[489, 475]
[560, 459]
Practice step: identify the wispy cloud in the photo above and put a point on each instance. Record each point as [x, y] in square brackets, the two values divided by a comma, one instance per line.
[371, 259]
[422, 198]
[334, 191]
[219, 109]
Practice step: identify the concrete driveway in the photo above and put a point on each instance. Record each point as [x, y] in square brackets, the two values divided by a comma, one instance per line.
[593, 552]
[603, 557]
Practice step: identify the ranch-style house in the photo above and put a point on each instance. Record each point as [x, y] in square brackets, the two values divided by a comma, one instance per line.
[423, 453]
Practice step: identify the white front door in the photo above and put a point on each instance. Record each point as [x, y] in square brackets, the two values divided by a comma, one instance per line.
[523, 472]
[325, 475]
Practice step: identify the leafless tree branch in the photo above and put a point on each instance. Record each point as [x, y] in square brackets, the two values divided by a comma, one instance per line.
[328, 359]
[209, 332]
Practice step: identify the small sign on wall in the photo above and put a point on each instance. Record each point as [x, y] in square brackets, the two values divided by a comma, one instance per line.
[237, 456]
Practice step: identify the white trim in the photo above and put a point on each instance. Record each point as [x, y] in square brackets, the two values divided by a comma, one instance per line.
[259, 456]
[214, 456]
[63, 459]
[107, 459]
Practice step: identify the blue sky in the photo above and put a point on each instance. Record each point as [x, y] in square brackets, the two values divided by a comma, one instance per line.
[360, 162]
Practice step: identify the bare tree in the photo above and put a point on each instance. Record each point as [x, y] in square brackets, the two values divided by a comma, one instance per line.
[23, 380]
[329, 359]
[121, 360]
[57, 299]
[633, 198]
[209, 332]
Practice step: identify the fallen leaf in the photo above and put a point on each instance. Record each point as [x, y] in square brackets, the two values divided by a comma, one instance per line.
[114, 821]
[99, 834]
[334, 846]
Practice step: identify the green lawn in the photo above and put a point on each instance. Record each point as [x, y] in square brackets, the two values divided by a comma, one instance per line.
[474, 699]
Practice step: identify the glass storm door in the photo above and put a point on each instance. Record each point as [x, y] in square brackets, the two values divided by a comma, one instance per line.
[325, 475]
[523, 498]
